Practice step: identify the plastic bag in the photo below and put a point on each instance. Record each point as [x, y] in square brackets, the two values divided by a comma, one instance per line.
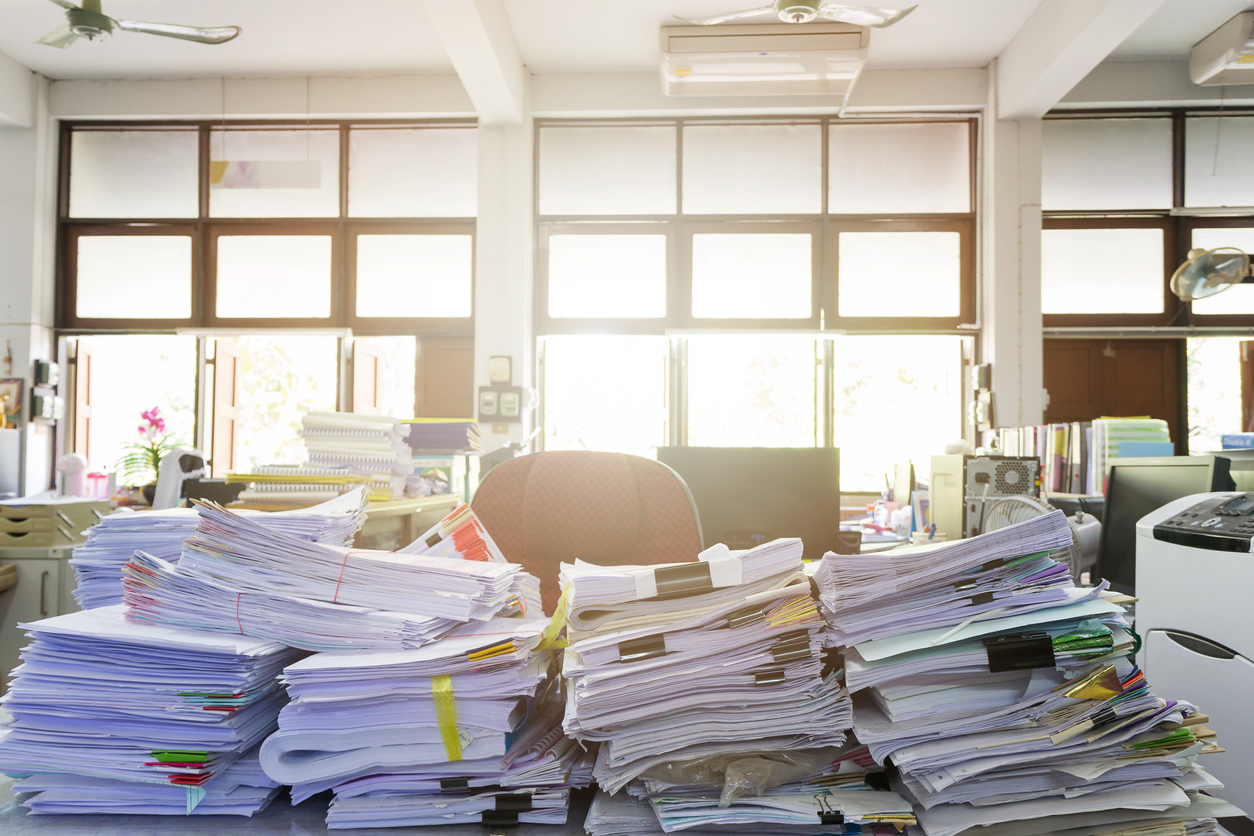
[744, 775]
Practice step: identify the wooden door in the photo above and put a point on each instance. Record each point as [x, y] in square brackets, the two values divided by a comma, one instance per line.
[1089, 379]
[82, 400]
[366, 382]
[446, 378]
[226, 389]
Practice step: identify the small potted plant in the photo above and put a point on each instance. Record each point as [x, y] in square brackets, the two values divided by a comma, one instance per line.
[143, 458]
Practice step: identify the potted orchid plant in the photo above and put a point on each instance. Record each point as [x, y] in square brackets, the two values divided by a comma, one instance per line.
[143, 458]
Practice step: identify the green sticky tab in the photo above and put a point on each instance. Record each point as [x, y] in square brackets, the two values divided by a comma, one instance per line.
[195, 795]
[180, 757]
[1177, 736]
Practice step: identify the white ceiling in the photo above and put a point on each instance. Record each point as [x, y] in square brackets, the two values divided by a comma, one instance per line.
[622, 35]
[1175, 27]
[281, 37]
[381, 37]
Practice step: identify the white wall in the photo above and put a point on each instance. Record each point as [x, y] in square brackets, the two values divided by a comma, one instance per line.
[28, 163]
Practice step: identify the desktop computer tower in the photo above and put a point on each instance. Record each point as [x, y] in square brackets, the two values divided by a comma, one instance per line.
[963, 488]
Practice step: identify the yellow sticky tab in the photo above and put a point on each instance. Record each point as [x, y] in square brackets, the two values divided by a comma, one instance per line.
[550, 638]
[483, 653]
[446, 715]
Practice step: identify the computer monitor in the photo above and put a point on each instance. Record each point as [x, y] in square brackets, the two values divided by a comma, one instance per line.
[751, 495]
[1135, 488]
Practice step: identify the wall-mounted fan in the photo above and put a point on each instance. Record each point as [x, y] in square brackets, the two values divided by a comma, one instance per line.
[1207, 272]
[804, 11]
[88, 21]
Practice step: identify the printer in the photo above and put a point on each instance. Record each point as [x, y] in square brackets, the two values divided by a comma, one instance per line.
[1194, 577]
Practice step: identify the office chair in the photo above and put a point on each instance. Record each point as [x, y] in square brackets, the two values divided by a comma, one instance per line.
[605, 508]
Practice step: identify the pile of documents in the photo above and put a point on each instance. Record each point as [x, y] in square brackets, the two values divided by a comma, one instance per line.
[240, 575]
[284, 485]
[465, 729]
[373, 444]
[428, 436]
[110, 543]
[1005, 697]
[684, 671]
[111, 716]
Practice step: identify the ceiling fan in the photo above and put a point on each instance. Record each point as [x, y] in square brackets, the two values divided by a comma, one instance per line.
[87, 21]
[804, 11]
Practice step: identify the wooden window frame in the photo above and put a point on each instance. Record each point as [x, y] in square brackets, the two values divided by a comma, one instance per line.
[216, 231]
[1187, 226]
[965, 227]
[1172, 307]
[67, 298]
[205, 230]
[551, 325]
[404, 326]
[755, 227]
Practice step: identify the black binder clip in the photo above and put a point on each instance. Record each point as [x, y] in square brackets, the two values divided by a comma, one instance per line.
[981, 598]
[827, 814]
[1020, 651]
[682, 579]
[513, 803]
[492, 818]
[748, 615]
[791, 648]
[433, 539]
[637, 650]
[773, 677]
[454, 783]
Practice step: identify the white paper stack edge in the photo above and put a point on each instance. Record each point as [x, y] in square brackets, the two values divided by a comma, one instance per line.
[110, 716]
[1005, 700]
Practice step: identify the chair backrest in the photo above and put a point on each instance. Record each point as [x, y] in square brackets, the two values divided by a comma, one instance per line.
[605, 508]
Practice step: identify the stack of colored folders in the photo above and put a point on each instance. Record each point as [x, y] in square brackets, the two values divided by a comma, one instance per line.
[466, 729]
[682, 670]
[1006, 699]
[239, 575]
[428, 436]
[111, 543]
[110, 716]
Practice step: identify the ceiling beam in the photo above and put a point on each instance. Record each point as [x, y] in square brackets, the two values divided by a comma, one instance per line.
[1059, 44]
[479, 41]
[17, 94]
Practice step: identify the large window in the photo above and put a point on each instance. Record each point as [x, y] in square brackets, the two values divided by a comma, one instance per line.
[719, 283]
[270, 241]
[367, 226]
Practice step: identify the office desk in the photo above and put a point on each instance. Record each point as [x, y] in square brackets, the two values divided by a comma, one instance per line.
[279, 819]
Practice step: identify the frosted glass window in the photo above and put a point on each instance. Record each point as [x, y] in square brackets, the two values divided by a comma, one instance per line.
[1238, 299]
[751, 390]
[277, 276]
[751, 276]
[1218, 165]
[415, 275]
[607, 171]
[319, 200]
[413, 173]
[607, 276]
[899, 274]
[753, 169]
[134, 174]
[1107, 271]
[880, 169]
[1106, 164]
[134, 277]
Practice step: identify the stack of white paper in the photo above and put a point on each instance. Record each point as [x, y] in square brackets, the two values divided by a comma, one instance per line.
[248, 556]
[374, 444]
[465, 729]
[206, 594]
[98, 562]
[685, 669]
[103, 707]
[1001, 693]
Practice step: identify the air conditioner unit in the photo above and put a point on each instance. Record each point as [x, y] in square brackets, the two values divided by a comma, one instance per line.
[1225, 56]
[814, 59]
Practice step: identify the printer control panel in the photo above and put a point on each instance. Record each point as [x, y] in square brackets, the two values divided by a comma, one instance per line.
[1222, 524]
